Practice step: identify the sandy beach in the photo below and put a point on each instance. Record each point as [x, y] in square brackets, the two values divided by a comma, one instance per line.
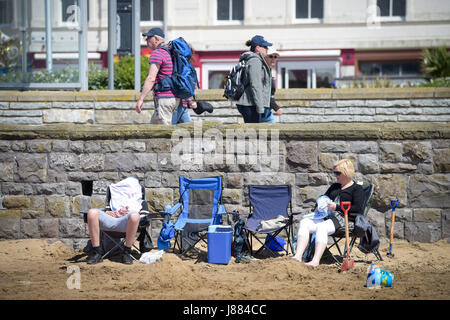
[36, 269]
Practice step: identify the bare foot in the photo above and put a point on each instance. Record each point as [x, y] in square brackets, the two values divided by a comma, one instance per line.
[296, 258]
[312, 264]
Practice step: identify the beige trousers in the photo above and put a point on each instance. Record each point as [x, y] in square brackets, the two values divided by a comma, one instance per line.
[164, 108]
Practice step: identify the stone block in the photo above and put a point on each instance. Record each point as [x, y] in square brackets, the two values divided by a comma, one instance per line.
[416, 152]
[72, 228]
[73, 188]
[368, 163]
[57, 206]
[307, 196]
[64, 161]
[134, 146]
[157, 198]
[9, 228]
[31, 168]
[232, 196]
[50, 188]
[426, 191]
[39, 146]
[79, 204]
[29, 228]
[391, 152]
[67, 115]
[60, 145]
[127, 162]
[302, 156]
[363, 146]
[427, 215]
[441, 160]
[422, 231]
[16, 202]
[386, 187]
[234, 180]
[92, 147]
[327, 160]
[11, 188]
[49, 228]
[122, 116]
[92, 162]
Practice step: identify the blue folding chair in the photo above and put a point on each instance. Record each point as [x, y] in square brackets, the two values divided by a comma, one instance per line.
[269, 202]
[201, 206]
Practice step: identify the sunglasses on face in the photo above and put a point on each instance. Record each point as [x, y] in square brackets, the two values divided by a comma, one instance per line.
[337, 173]
[273, 56]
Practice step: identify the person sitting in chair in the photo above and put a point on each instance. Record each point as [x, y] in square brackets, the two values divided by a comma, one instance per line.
[123, 217]
[345, 189]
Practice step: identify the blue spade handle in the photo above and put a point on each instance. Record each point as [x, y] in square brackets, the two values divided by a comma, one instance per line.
[394, 203]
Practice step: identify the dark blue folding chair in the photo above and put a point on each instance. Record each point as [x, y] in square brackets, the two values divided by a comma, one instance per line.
[269, 202]
[201, 206]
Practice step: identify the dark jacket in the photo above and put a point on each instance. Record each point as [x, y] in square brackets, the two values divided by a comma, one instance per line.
[369, 241]
[354, 194]
[257, 91]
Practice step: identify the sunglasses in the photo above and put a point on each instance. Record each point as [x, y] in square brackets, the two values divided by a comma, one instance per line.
[273, 56]
[337, 173]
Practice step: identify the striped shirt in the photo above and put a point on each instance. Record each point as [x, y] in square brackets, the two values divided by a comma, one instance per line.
[163, 58]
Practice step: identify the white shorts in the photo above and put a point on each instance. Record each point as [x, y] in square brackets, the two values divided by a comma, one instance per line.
[322, 229]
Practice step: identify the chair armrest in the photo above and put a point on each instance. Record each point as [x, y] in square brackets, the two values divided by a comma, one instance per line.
[222, 210]
[172, 210]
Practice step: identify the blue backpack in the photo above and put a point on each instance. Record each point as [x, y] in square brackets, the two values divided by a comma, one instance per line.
[184, 77]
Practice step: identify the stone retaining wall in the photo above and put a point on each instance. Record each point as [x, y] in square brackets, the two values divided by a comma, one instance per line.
[47, 170]
[299, 106]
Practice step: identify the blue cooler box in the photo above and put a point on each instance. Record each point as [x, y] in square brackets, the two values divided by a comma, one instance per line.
[219, 244]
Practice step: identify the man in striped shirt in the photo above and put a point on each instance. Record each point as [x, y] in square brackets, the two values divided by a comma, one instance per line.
[160, 66]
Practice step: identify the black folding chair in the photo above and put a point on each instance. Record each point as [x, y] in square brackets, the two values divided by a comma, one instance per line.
[339, 234]
[269, 202]
[118, 238]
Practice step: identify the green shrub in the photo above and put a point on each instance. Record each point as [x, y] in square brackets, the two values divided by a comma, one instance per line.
[124, 72]
[436, 62]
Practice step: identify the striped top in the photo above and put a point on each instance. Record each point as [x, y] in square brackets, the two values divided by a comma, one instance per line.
[163, 58]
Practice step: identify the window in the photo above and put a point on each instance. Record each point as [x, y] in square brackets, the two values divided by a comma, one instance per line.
[392, 8]
[152, 10]
[6, 12]
[214, 73]
[407, 68]
[307, 74]
[308, 9]
[230, 10]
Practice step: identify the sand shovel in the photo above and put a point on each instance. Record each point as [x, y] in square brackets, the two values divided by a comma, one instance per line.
[347, 263]
[394, 204]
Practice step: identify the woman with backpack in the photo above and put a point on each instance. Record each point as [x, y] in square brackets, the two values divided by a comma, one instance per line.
[256, 97]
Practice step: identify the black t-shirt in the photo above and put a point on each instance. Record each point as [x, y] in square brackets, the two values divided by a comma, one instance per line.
[354, 194]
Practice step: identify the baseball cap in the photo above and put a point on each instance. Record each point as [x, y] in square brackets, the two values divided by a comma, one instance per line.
[154, 32]
[272, 51]
[259, 41]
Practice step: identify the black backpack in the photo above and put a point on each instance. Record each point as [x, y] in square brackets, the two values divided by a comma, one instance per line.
[236, 81]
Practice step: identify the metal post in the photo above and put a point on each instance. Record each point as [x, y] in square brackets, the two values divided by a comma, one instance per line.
[24, 29]
[82, 47]
[48, 35]
[112, 43]
[135, 21]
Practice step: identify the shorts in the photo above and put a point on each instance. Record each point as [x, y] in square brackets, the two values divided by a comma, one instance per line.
[164, 108]
[108, 223]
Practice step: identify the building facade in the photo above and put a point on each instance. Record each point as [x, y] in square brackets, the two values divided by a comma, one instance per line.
[321, 42]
